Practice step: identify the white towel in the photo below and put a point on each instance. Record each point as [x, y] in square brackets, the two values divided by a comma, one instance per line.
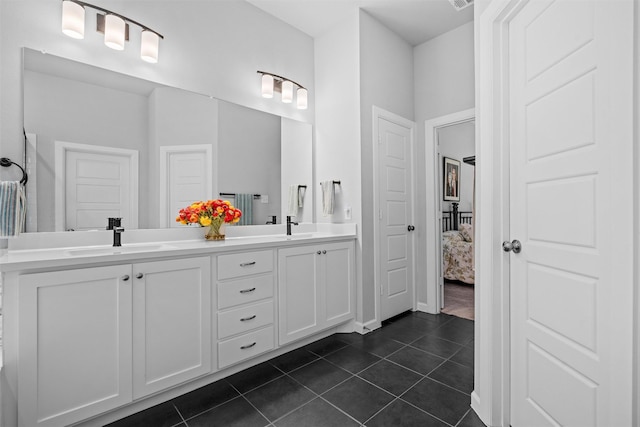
[301, 192]
[12, 208]
[292, 209]
[328, 197]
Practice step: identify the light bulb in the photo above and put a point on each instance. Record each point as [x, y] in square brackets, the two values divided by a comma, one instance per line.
[287, 91]
[149, 46]
[73, 19]
[267, 86]
[114, 28]
[301, 96]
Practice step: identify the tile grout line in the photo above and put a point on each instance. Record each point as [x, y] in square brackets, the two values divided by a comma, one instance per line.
[184, 421]
[463, 417]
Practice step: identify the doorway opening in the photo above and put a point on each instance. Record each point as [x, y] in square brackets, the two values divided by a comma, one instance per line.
[456, 153]
[450, 183]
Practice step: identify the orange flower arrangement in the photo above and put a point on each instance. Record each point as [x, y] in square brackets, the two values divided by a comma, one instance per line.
[212, 214]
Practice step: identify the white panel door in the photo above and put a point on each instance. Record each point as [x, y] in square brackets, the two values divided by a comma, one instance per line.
[395, 201]
[95, 183]
[567, 62]
[74, 343]
[172, 323]
[186, 175]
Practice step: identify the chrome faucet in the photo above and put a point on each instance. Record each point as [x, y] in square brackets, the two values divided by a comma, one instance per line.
[289, 224]
[117, 233]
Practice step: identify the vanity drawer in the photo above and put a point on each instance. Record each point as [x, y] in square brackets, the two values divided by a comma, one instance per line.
[246, 290]
[244, 319]
[245, 346]
[244, 264]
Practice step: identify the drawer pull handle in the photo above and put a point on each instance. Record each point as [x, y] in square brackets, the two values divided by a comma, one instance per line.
[139, 276]
[244, 319]
[125, 277]
[247, 264]
[246, 291]
[244, 347]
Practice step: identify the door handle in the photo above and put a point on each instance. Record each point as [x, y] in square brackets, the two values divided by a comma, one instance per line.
[514, 246]
[411, 228]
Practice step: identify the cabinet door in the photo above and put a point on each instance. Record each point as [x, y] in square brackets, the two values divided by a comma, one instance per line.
[74, 344]
[298, 293]
[171, 323]
[338, 299]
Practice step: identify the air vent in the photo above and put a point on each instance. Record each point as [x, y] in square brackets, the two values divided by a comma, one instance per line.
[460, 4]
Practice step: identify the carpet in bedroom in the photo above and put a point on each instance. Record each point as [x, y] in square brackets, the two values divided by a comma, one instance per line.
[458, 300]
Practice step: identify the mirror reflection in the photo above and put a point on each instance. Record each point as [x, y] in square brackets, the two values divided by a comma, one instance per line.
[102, 144]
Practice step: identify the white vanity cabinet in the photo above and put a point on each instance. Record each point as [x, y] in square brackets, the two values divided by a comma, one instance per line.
[316, 289]
[74, 344]
[94, 339]
[172, 328]
[245, 305]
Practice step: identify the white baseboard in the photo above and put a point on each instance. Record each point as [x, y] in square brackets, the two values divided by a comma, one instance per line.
[365, 328]
[426, 308]
[475, 406]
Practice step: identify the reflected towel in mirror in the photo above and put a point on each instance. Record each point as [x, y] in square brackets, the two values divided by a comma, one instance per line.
[244, 202]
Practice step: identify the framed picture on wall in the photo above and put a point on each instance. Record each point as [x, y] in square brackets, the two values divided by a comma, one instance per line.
[451, 180]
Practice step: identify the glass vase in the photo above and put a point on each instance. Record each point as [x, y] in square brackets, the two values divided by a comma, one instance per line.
[215, 231]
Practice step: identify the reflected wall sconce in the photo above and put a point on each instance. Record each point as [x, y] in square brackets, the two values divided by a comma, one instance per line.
[275, 83]
[114, 26]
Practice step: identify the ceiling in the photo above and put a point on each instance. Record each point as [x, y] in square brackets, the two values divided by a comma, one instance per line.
[416, 21]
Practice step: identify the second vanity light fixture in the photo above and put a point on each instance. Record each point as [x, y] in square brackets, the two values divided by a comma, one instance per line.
[275, 83]
[114, 26]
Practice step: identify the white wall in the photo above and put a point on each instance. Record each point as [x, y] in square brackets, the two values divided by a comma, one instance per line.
[457, 142]
[296, 167]
[249, 157]
[210, 47]
[337, 143]
[386, 81]
[56, 110]
[443, 84]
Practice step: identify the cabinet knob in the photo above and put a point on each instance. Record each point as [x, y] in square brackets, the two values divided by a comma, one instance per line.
[245, 319]
[244, 347]
[139, 276]
[324, 252]
[125, 277]
[319, 252]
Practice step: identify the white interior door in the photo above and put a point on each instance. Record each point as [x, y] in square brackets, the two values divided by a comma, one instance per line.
[186, 175]
[569, 64]
[395, 216]
[93, 184]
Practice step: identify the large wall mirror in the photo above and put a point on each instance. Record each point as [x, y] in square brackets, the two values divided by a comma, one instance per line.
[102, 144]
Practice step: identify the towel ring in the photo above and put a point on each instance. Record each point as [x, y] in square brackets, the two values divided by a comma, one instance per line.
[6, 162]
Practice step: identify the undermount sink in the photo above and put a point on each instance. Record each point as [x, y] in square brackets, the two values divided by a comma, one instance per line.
[298, 236]
[114, 250]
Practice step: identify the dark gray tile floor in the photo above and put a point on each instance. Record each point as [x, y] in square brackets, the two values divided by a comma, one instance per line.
[417, 370]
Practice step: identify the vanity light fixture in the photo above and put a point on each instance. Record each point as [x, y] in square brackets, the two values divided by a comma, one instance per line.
[114, 26]
[275, 83]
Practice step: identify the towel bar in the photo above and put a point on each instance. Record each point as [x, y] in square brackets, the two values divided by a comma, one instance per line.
[255, 196]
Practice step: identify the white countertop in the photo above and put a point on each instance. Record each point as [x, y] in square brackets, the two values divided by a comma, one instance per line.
[71, 249]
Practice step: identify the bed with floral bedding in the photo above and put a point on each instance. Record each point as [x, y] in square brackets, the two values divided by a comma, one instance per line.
[457, 254]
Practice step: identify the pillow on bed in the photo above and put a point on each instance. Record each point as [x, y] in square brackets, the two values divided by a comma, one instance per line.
[452, 235]
[466, 231]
